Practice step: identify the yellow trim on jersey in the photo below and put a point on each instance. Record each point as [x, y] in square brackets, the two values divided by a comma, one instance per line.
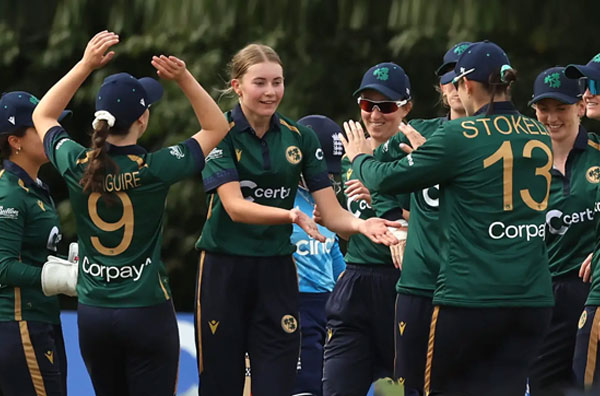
[592, 352]
[2, 172]
[84, 160]
[32, 364]
[231, 124]
[290, 127]
[594, 145]
[434, 318]
[199, 314]
[22, 185]
[18, 309]
[139, 160]
[162, 286]
[210, 204]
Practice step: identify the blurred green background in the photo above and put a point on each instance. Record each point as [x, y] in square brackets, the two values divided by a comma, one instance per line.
[325, 47]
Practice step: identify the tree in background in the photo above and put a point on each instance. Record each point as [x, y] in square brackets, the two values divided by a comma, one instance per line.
[325, 46]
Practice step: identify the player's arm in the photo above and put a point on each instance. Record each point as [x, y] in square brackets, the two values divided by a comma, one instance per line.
[46, 113]
[12, 271]
[337, 258]
[243, 211]
[213, 122]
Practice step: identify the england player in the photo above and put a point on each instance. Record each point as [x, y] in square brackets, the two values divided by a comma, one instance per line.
[493, 296]
[127, 327]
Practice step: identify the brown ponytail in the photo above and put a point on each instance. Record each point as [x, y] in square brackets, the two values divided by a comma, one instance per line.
[99, 162]
[499, 82]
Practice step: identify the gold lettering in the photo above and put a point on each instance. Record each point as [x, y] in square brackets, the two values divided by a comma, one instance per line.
[136, 179]
[504, 132]
[469, 125]
[529, 123]
[485, 121]
[122, 181]
[517, 124]
[108, 184]
[128, 178]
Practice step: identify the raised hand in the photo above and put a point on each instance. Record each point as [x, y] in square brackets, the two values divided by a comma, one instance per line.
[169, 67]
[354, 188]
[355, 142]
[307, 224]
[414, 137]
[95, 55]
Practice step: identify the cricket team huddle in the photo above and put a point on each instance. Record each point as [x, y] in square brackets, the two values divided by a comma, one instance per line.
[470, 265]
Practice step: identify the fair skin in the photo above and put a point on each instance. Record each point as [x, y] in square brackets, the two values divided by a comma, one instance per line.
[592, 110]
[31, 155]
[260, 91]
[450, 93]
[562, 121]
[95, 56]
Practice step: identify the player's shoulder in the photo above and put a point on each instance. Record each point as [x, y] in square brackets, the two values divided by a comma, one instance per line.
[594, 141]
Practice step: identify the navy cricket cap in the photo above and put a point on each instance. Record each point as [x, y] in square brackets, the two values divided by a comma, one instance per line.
[591, 70]
[479, 60]
[16, 109]
[388, 79]
[328, 132]
[446, 70]
[126, 97]
[554, 84]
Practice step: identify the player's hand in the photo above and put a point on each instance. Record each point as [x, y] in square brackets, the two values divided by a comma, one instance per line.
[169, 67]
[95, 55]
[307, 224]
[317, 215]
[397, 250]
[415, 139]
[376, 229]
[354, 188]
[585, 271]
[355, 142]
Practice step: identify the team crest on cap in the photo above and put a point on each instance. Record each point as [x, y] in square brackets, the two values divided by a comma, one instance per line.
[582, 319]
[293, 155]
[459, 49]
[593, 174]
[552, 80]
[289, 324]
[382, 73]
[596, 59]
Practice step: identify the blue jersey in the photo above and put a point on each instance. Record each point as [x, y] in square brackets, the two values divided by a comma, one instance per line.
[319, 264]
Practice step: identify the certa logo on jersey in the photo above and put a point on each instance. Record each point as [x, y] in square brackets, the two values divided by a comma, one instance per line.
[260, 192]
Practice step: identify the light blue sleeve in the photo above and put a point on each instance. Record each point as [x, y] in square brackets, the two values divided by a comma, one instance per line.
[338, 263]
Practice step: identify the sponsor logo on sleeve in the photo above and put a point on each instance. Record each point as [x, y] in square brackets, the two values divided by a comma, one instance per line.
[8, 213]
[215, 153]
[176, 152]
[319, 154]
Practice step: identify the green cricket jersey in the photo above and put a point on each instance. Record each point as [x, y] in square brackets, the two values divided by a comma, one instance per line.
[29, 232]
[360, 249]
[570, 215]
[494, 177]
[120, 241]
[594, 295]
[421, 262]
[268, 170]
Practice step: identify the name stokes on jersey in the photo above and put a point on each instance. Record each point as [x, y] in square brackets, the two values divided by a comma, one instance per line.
[503, 124]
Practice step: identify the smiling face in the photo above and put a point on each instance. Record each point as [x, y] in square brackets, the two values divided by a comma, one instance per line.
[382, 126]
[592, 105]
[561, 119]
[260, 89]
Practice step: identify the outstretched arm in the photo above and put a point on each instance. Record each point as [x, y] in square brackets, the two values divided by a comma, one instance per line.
[213, 122]
[46, 113]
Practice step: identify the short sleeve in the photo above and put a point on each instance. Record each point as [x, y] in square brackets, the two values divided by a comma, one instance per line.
[62, 151]
[174, 163]
[220, 166]
[314, 167]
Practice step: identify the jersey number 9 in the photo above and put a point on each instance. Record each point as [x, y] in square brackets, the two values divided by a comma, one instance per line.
[126, 222]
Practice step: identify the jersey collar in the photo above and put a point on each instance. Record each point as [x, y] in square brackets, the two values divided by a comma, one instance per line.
[581, 141]
[237, 115]
[124, 150]
[499, 108]
[21, 174]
